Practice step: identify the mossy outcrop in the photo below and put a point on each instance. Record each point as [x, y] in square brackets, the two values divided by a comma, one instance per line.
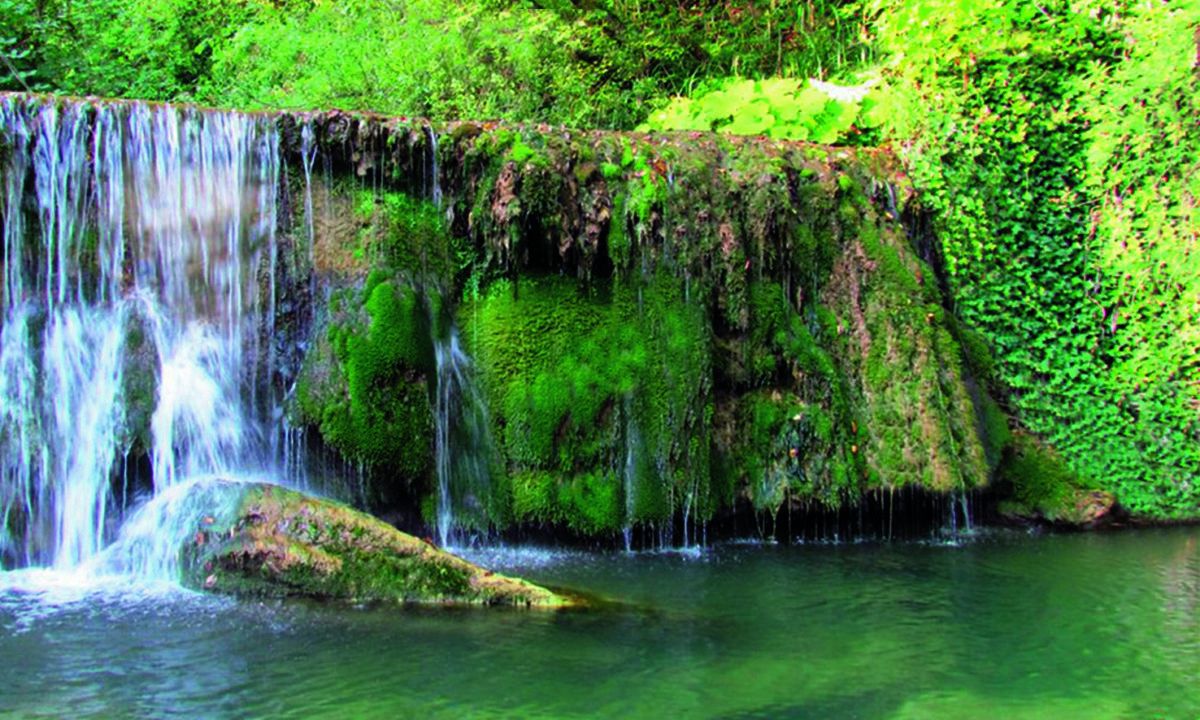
[277, 542]
[663, 325]
[1042, 489]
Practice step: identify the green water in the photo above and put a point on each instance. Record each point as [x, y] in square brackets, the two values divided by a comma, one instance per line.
[1012, 626]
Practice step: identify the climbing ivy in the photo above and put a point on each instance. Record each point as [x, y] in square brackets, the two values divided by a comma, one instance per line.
[1029, 118]
[1143, 169]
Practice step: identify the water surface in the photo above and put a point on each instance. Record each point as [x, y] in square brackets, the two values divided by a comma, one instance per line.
[1085, 626]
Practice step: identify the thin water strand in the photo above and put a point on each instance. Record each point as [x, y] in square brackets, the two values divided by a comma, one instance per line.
[462, 441]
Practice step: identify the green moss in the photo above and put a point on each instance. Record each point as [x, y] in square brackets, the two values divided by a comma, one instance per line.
[573, 378]
[995, 431]
[364, 205]
[520, 152]
[364, 385]
[619, 250]
[1039, 481]
[978, 356]
[795, 431]
[904, 368]
[276, 542]
[139, 387]
[790, 448]
[646, 194]
[588, 503]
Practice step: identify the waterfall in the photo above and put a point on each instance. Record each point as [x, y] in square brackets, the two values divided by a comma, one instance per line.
[137, 240]
[462, 441]
[958, 501]
[964, 502]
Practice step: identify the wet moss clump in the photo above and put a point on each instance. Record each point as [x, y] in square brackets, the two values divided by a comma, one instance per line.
[600, 400]
[1042, 487]
[366, 382]
[904, 365]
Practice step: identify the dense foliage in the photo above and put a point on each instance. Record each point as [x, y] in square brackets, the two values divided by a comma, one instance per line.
[1055, 144]
[780, 108]
[584, 63]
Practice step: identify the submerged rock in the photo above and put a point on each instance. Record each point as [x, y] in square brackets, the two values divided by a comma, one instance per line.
[278, 542]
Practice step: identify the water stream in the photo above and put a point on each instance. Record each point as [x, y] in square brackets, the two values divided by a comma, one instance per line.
[462, 443]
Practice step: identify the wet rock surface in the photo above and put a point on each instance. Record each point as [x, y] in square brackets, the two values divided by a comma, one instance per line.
[282, 543]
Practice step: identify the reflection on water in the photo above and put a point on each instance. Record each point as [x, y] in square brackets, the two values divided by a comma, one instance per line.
[1089, 626]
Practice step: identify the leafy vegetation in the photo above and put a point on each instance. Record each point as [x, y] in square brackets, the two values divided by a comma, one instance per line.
[1052, 146]
[582, 63]
[780, 108]
[1143, 167]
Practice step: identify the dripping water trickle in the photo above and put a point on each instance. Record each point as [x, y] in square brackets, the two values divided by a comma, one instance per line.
[462, 442]
[633, 447]
[434, 173]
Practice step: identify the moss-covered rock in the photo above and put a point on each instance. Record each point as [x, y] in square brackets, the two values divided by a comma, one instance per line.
[663, 324]
[1041, 487]
[364, 383]
[366, 379]
[282, 543]
[600, 399]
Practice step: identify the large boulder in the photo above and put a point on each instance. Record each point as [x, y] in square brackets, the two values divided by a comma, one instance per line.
[276, 542]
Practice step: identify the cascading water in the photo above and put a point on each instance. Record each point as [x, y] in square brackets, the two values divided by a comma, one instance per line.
[435, 176]
[462, 440]
[291, 445]
[633, 448]
[135, 239]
